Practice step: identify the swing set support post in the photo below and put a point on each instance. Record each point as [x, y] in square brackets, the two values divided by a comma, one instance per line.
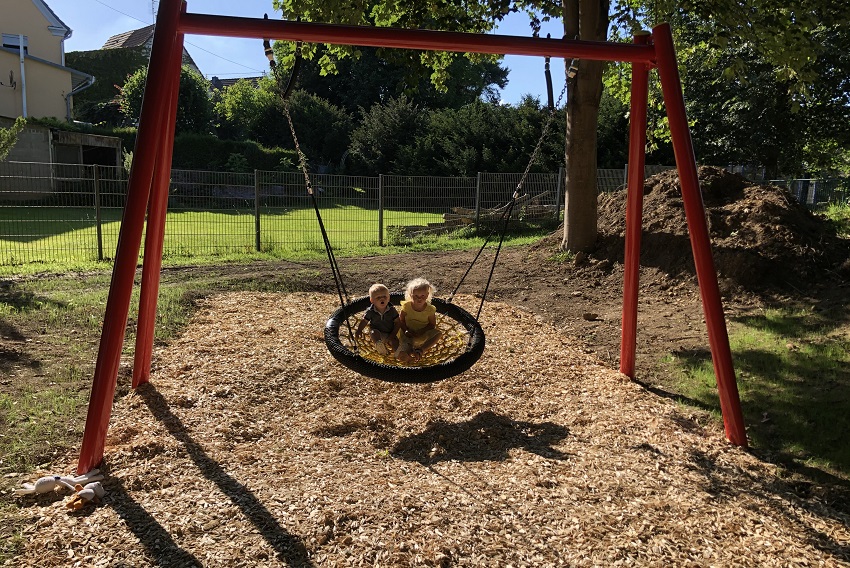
[634, 210]
[152, 124]
[721, 355]
[155, 232]
[148, 183]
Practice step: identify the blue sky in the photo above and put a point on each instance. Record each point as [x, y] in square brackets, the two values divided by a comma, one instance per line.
[94, 21]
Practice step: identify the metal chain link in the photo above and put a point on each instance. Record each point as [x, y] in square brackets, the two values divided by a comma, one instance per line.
[539, 142]
[302, 159]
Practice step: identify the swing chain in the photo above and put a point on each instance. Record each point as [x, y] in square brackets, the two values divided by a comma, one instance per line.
[302, 159]
[536, 151]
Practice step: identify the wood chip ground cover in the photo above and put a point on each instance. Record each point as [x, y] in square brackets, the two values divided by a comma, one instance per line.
[251, 446]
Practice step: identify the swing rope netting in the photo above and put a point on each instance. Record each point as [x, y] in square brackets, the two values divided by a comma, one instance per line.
[461, 340]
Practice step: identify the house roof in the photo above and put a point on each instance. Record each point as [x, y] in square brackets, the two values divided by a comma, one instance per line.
[57, 26]
[133, 38]
[140, 38]
[224, 83]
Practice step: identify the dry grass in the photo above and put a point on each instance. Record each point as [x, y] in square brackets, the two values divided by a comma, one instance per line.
[252, 447]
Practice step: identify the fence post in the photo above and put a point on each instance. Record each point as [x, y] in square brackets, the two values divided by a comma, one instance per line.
[99, 225]
[477, 199]
[558, 193]
[257, 210]
[380, 210]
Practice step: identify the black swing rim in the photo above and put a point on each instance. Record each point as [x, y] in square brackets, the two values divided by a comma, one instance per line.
[396, 374]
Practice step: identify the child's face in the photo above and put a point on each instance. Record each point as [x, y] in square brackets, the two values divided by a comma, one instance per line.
[380, 300]
[419, 297]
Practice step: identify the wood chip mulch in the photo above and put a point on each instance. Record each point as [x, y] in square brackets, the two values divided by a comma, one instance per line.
[251, 446]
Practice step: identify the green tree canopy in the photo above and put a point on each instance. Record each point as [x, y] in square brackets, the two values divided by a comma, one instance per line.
[194, 106]
[385, 139]
[764, 82]
[241, 107]
[367, 79]
[111, 68]
[9, 136]
[487, 137]
[583, 19]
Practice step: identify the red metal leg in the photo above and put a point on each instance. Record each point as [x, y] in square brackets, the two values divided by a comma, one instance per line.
[151, 127]
[671, 87]
[634, 211]
[155, 232]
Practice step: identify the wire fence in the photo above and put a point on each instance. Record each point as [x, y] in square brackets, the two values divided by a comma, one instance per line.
[67, 213]
[71, 212]
[817, 193]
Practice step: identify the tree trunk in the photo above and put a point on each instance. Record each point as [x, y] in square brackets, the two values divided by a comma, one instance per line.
[586, 20]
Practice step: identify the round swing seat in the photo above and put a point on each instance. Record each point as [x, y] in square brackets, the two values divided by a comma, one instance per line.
[460, 346]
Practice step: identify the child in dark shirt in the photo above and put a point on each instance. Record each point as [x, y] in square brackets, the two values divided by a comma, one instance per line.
[382, 318]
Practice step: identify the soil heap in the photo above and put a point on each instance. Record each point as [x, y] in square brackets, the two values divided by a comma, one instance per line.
[763, 241]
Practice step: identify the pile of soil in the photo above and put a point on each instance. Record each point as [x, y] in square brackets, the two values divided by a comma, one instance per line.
[763, 241]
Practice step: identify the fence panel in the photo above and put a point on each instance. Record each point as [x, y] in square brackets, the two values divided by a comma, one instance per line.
[539, 197]
[50, 212]
[72, 212]
[816, 193]
[209, 213]
[287, 219]
[609, 180]
[425, 205]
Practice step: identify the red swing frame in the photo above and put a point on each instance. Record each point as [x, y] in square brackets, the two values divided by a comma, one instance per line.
[147, 189]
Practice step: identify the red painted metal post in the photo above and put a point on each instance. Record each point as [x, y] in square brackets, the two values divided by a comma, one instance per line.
[155, 232]
[151, 124]
[634, 210]
[671, 87]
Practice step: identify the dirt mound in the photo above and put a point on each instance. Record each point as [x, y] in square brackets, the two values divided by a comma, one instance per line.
[762, 239]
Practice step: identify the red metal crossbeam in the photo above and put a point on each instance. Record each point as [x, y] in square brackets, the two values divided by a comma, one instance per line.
[230, 26]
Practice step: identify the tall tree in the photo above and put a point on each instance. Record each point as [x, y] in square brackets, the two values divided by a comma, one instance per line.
[369, 79]
[385, 139]
[240, 107]
[765, 81]
[194, 106]
[781, 30]
[583, 19]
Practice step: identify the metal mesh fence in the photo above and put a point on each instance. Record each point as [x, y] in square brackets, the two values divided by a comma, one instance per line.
[70, 212]
[539, 197]
[286, 218]
[817, 193]
[59, 212]
[424, 205]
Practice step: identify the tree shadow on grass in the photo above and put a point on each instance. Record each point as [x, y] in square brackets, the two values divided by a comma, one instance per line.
[289, 548]
[486, 437]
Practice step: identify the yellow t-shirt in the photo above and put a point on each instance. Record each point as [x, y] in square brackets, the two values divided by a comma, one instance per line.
[417, 320]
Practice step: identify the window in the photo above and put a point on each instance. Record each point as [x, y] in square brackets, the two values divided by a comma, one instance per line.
[12, 41]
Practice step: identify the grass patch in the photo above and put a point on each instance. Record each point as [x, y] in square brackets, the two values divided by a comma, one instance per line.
[839, 214]
[53, 239]
[792, 366]
[46, 384]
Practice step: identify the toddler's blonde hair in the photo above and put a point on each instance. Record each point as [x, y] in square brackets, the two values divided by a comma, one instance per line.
[376, 288]
[418, 284]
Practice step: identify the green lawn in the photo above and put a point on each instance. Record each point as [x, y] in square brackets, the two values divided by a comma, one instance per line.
[70, 235]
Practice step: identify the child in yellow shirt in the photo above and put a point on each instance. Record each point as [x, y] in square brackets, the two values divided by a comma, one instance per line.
[418, 321]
